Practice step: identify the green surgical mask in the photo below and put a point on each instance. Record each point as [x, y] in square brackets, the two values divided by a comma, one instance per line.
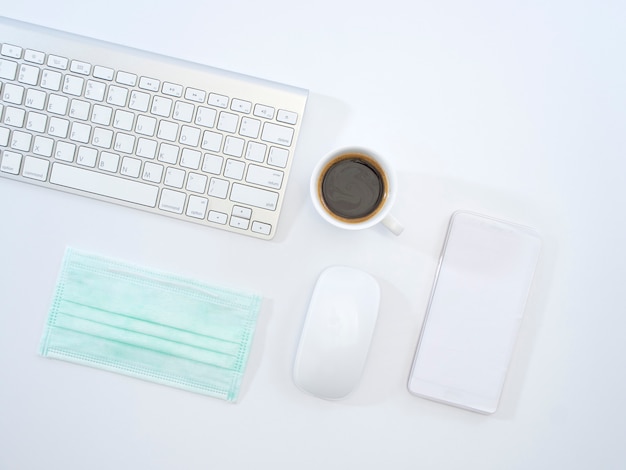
[150, 325]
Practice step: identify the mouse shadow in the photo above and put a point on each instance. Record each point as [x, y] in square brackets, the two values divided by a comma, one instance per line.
[388, 362]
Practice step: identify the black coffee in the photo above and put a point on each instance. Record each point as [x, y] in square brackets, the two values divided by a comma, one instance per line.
[353, 187]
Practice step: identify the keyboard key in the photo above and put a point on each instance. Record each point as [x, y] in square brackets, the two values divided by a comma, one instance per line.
[189, 136]
[190, 159]
[21, 141]
[14, 117]
[264, 176]
[8, 69]
[146, 125]
[218, 188]
[256, 152]
[57, 62]
[168, 153]
[196, 183]
[211, 141]
[146, 148]
[36, 122]
[263, 111]
[260, 227]
[250, 127]
[4, 136]
[172, 201]
[43, 146]
[87, 156]
[161, 106]
[287, 117]
[103, 73]
[123, 120]
[11, 162]
[117, 95]
[139, 101]
[130, 167]
[238, 222]
[240, 106]
[102, 137]
[150, 84]
[109, 161]
[51, 80]
[57, 104]
[101, 115]
[58, 127]
[277, 134]
[174, 177]
[172, 89]
[167, 131]
[73, 85]
[124, 143]
[227, 122]
[233, 146]
[36, 57]
[80, 132]
[234, 169]
[183, 111]
[212, 164]
[254, 196]
[218, 217]
[79, 109]
[220, 101]
[193, 94]
[197, 207]
[126, 78]
[28, 74]
[278, 157]
[11, 51]
[152, 172]
[95, 90]
[81, 68]
[65, 151]
[36, 168]
[13, 93]
[103, 184]
[35, 99]
[205, 117]
[243, 212]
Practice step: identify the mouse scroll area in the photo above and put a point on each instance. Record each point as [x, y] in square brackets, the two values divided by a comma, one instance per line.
[337, 332]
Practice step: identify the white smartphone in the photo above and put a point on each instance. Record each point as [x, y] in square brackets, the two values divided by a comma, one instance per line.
[475, 309]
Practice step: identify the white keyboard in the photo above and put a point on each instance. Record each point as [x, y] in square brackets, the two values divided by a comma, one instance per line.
[155, 133]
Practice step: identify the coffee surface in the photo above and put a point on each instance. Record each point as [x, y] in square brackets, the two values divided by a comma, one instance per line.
[352, 188]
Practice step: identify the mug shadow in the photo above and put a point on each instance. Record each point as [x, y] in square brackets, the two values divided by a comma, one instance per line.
[425, 204]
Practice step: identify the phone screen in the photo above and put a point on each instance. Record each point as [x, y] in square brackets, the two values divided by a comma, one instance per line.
[474, 313]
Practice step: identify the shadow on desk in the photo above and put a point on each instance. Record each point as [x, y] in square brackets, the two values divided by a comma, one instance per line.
[425, 203]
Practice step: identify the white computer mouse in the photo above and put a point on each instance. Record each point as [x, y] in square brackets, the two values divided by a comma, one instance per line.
[337, 332]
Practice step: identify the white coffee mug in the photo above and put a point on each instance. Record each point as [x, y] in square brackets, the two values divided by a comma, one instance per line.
[354, 188]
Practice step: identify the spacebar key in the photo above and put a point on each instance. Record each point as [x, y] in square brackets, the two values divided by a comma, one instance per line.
[104, 185]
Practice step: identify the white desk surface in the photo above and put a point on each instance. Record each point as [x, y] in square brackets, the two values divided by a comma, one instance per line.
[514, 109]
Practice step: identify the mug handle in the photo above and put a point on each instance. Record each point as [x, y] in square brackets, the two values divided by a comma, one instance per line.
[392, 224]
